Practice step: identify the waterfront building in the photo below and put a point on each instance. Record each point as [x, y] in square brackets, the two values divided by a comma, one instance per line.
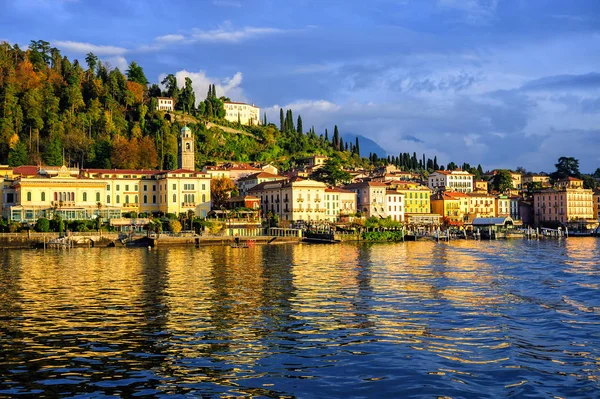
[517, 180]
[165, 104]
[417, 198]
[502, 205]
[515, 209]
[568, 203]
[247, 182]
[243, 201]
[244, 113]
[456, 180]
[596, 203]
[292, 200]
[370, 198]
[339, 203]
[394, 202]
[481, 205]
[452, 205]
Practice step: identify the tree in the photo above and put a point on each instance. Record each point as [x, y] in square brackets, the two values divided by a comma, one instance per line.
[174, 226]
[502, 180]
[566, 167]
[187, 98]
[92, 61]
[299, 125]
[17, 156]
[220, 189]
[332, 173]
[281, 120]
[357, 148]
[135, 73]
[42, 225]
[170, 83]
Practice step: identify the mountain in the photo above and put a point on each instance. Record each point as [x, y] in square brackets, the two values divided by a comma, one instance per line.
[366, 145]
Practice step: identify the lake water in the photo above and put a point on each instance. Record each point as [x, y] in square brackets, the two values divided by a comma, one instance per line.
[463, 319]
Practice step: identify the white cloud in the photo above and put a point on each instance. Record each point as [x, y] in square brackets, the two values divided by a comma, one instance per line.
[170, 38]
[226, 33]
[117, 62]
[228, 87]
[84, 48]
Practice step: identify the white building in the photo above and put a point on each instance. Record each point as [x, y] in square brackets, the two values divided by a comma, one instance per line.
[338, 203]
[246, 114]
[455, 180]
[165, 104]
[394, 202]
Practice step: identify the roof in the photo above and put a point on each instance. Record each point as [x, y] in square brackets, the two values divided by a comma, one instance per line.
[239, 103]
[365, 183]
[338, 190]
[241, 198]
[570, 178]
[492, 221]
[261, 175]
[123, 171]
[450, 172]
[26, 170]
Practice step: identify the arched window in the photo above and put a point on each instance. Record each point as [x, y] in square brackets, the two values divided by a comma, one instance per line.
[43, 196]
[84, 197]
[136, 199]
[118, 199]
[145, 199]
[127, 199]
[28, 195]
[192, 198]
[154, 199]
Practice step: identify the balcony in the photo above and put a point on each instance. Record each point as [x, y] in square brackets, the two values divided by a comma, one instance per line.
[286, 200]
[188, 204]
[300, 199]
[130, 205]
[317, 199]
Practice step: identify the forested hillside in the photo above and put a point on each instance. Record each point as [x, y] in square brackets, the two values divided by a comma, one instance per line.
[54, 109]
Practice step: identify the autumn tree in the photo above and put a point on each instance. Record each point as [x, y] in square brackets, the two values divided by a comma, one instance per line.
[221, 189]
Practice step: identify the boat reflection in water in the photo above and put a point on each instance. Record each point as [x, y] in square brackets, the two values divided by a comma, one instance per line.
[458, 319]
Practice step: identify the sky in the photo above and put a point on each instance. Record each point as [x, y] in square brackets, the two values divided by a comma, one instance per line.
[501, 83]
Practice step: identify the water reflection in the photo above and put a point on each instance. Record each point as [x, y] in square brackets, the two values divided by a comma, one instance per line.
[459, 319]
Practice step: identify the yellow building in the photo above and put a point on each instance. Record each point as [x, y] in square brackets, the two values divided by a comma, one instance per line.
[417, 198]
[481, 205]
[503, 207]
[339, 202]
[292, 200]
[453, 206]
[481, 186]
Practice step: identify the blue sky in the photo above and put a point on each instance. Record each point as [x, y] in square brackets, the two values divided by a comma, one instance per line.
[504, 83]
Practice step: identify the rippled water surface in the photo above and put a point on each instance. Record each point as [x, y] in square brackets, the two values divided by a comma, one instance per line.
[464, 319]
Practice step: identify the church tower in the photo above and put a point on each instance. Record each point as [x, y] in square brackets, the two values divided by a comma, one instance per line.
[186, 149]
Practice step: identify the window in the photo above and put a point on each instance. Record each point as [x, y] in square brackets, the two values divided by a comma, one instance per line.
[127, 187]
[174, 186]
[204, 187]
[98, 197]
[127, 199]
[145, 187]
[29, 196]
[145, 199]
[174, 197]
[136, 199]
[154, 199]
[118, 199]
[43, 196]
[84, 197]
[154, 187]
[203, 197]
[135, 188]
[108, 199]
[108, 187]
[118, 188]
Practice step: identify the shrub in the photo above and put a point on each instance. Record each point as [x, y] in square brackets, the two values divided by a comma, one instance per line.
[42, 225]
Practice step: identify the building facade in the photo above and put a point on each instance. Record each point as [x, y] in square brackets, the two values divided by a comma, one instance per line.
[244, 113]
[165, 104]
[247, 182]
[453, 206]
[455, 180]
[370, 198]
[565, 206]
[186, 153]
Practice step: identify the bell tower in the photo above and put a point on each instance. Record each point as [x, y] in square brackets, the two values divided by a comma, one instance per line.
[186, 149]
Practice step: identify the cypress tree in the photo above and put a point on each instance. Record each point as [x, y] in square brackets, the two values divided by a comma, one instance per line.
[336, 138]
[326, 136]
[356, 146]
[281, 120]
[265, 119]
[209, 94]
[214, 91]
[299, 125]
[341, 145]
[435, 163]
